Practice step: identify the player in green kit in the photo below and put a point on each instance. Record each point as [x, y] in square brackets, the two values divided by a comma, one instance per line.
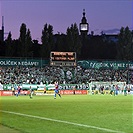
[125, 90]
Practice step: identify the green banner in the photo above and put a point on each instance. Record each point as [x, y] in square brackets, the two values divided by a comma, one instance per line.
[105, 64]
[48, 87]
[23, 62]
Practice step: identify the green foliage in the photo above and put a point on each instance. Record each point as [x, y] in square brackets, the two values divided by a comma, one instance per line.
[73, 39]
[47, 40]
[25, 41]
[124, 47]
[60, 43]
[86, 46]
[9, 47]
[28, 44]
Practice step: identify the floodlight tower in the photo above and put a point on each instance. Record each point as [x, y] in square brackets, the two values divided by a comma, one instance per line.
[3, 28]
[2, 31]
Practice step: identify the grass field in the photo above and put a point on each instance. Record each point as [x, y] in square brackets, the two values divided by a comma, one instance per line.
[69, 114]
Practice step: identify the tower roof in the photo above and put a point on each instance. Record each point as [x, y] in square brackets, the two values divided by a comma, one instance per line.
[84, 20]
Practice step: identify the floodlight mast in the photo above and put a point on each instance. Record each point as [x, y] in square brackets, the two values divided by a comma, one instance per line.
[2, 30]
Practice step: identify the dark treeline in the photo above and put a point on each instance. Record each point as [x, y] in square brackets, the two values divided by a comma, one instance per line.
[87, 46]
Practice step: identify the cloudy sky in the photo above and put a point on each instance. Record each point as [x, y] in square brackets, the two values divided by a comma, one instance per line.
[102, 15]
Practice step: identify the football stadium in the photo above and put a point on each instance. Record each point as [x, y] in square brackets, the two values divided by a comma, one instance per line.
[92, 100]
[78, 81]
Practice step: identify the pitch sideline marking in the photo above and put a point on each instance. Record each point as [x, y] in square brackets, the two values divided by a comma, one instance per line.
[61, 121]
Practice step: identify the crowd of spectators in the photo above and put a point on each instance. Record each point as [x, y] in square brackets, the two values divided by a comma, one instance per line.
[64, 75]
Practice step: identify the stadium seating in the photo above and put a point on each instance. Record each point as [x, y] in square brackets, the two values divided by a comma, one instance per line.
[70, 75]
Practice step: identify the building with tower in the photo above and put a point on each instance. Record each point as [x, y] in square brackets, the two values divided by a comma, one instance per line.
[84, 28]
[93, 46]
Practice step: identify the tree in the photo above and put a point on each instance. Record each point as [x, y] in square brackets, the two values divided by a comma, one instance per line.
[36, 48]
[47, 40]
[9, 49]
[16, 48]
[60, 42]
[22, 40]
[124, 48]
[73, 40]
[28, 45]
[25, 40]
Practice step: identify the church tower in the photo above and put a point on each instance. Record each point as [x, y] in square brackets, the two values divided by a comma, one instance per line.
[84, 27]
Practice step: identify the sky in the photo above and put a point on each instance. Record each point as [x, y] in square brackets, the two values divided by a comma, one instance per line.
[102, 15]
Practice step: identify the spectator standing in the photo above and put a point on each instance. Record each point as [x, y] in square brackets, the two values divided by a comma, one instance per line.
[1, 86]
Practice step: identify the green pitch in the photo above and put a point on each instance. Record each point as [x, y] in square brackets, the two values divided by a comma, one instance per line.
[69, 114]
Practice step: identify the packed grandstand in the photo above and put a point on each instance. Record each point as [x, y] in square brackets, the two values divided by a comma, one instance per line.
[64, 75]
[86, 75]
